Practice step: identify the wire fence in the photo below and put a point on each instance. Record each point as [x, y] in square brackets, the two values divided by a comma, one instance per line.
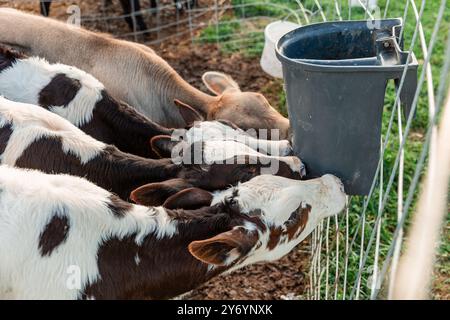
[354, 255]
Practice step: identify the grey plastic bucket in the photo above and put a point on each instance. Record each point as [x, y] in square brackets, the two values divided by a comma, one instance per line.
[335, 76]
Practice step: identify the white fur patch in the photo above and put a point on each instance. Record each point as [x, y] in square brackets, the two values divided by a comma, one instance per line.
[30, 123]
[25, 79]
[137, 260]
[28, 201]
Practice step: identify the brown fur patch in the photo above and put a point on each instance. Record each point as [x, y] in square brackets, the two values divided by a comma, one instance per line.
[60, 91]
[54, 234]
[118, 207]
[297, 222]
[291, 228]
[5, 134]
[274, 238]
[115, 122]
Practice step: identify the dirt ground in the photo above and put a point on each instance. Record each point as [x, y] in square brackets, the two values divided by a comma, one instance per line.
[283, 279]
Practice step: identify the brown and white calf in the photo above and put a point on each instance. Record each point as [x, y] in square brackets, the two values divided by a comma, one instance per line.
[135, 74]
[32, 137]
[223, 130]
[65, 238]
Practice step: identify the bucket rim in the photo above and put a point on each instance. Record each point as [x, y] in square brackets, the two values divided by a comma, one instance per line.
[298, 63]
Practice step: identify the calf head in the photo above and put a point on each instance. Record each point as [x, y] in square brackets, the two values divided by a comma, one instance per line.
[267, 217]
[248, 110]
[216, 176]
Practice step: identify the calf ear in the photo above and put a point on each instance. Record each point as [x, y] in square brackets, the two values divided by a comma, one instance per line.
[163, 145]
[189, 114]
[225, 248]
[192, 198]
[155, 194]
[218, 82]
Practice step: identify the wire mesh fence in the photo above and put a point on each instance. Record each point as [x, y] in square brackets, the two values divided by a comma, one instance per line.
[354, 255]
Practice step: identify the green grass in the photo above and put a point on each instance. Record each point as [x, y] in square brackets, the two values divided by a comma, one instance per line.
[261, 8]
[241, 31]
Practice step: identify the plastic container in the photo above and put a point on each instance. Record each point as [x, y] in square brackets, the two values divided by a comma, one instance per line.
[370, 4]
[335, 77]
[272, 33]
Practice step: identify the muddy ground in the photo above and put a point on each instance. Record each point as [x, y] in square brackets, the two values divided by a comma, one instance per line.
[284, 279]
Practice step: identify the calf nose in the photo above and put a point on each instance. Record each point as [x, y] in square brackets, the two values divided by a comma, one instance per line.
[335, 193]
[298, 166]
